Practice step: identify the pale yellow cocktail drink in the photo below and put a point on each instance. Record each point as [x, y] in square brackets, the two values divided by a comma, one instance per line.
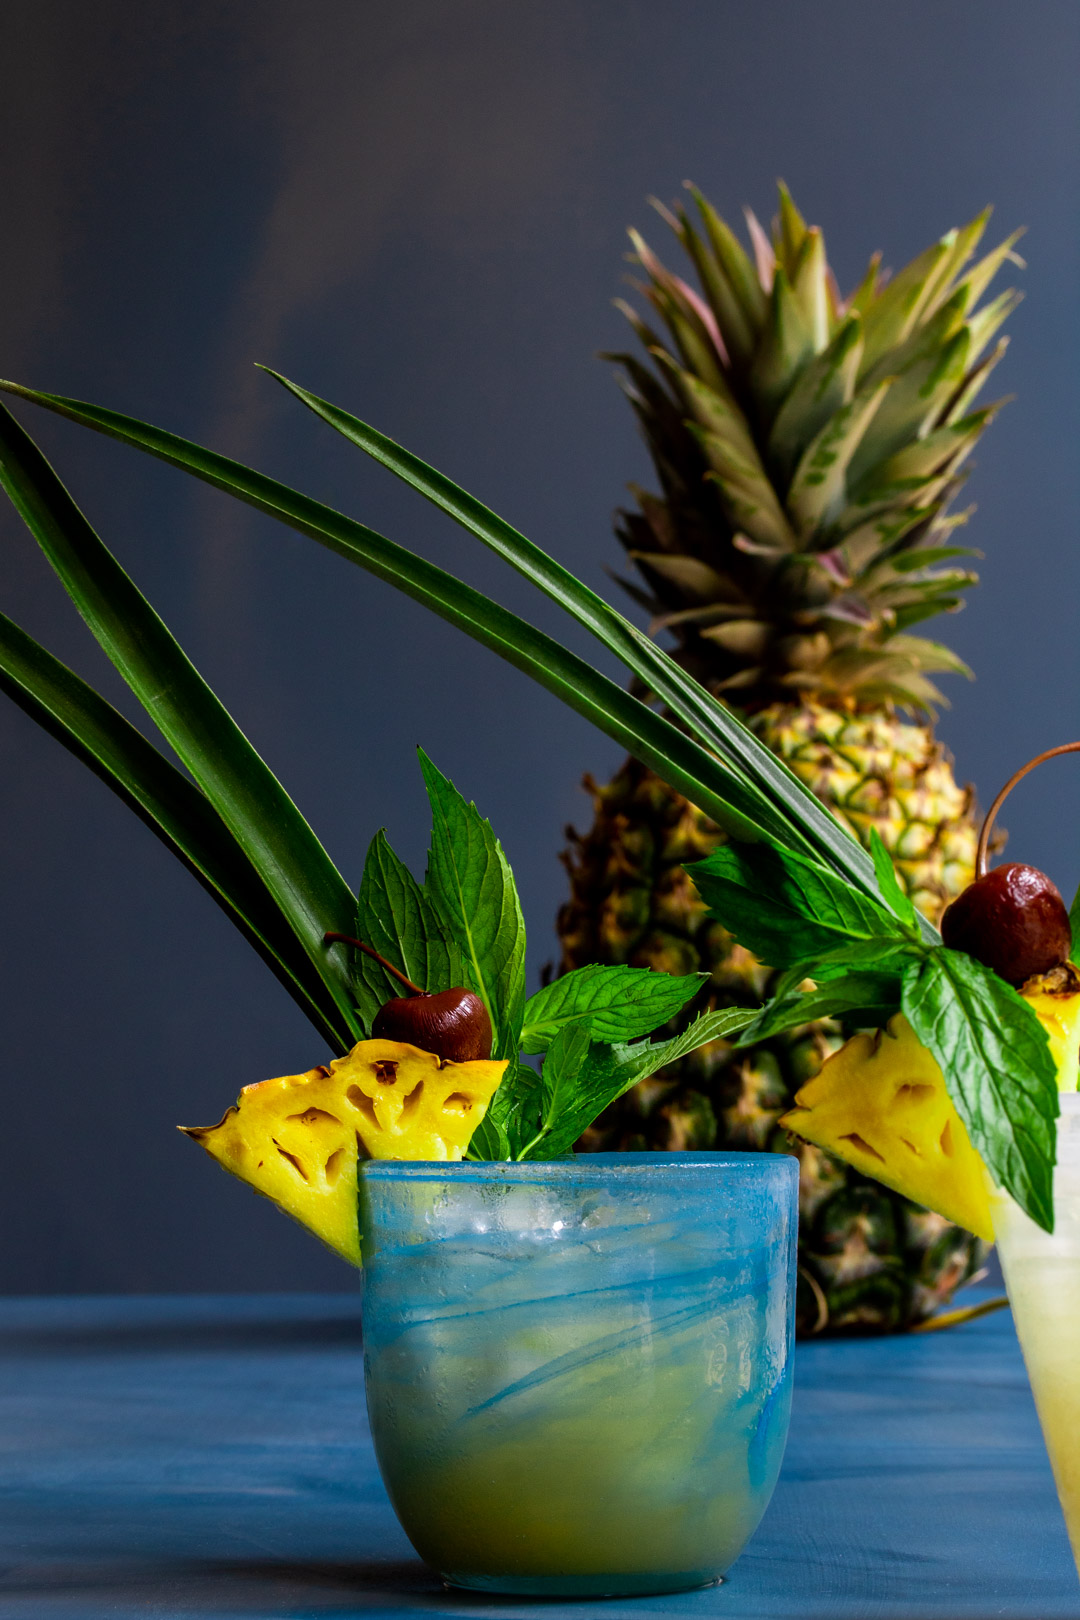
[1042, 1274]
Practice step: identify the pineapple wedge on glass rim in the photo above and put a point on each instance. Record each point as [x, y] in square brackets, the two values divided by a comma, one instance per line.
[297, 1139]
[806, 449]
[880, 1104]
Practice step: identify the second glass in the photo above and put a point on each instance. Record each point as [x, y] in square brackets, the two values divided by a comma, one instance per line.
[1042, 1275]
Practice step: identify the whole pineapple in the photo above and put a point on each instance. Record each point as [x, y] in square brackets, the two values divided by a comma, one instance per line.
[807, 449]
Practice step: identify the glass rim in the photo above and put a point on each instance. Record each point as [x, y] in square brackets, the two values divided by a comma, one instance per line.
[604, 1166]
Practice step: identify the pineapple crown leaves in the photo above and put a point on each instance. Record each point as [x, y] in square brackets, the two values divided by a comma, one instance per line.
[807, 449]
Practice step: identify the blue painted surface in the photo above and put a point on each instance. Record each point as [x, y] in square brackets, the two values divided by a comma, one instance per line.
[209, 1457]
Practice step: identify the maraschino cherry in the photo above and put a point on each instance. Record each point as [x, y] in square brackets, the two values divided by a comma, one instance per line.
[454, 1024]
[1011, 919]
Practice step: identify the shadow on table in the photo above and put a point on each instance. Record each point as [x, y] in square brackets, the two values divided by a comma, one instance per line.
[263, 1586]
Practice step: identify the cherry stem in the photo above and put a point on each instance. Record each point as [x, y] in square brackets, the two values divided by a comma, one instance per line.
[347, 939]
[1017, 776]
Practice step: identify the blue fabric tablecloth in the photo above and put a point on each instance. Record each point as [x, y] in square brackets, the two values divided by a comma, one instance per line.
[209, 1457]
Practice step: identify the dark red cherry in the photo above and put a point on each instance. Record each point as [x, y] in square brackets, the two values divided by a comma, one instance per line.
[1013, 920]
[452, 1023]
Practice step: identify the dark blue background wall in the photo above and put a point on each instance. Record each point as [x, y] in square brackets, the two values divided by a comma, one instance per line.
[419, 210]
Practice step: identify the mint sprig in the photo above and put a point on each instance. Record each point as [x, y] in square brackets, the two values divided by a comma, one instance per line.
[995, 1056]
[464, 925]
[618, 1003]
[588, 1076]
[787, 908]
[865, 963]
[860, 999]
[472, 888]
[396, 918]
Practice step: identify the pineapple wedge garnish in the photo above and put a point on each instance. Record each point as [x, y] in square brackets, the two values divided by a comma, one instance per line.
[880, 1104]
[1055, 996]
[297, 1139]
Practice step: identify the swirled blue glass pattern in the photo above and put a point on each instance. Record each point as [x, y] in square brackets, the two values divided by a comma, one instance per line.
[579, 1372]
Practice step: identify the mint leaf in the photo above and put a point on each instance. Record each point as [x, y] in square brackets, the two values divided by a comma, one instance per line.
[471, 886]
[513, 1116]
[995, 1056]
[1074, 924]
[891, 892]
[395, 917]
[872, 996]
[562, 1065]
[608, 1071]
[882, 954]
[786, 908]
[620, 1003]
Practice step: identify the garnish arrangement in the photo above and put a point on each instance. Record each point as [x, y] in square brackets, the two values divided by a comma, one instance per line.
[790, 883]
[441, 1073]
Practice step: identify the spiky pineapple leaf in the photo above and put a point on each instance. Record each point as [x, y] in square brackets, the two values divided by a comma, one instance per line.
[784, 806]
[732, 258]
[471, 886]
[173, 808]
[615, 1003]
[820, 482]
[666, 749]
[786, 345]
[915, 399]
[396, 918]
[995, 1056]
[825, 386]
[809, 288]
[740, 334]
[756, 783]
[252, 804]
[891, 316]
[784, 908]
[888, 882]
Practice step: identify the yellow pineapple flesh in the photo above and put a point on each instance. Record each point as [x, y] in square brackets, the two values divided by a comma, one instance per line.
[297, 1139]
[880, 1104]
[1055, 996]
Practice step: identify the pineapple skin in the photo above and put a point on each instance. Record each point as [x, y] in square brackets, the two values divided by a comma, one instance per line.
[870, 1261]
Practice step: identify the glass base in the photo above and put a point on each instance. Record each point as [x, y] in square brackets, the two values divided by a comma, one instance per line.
[629, 1584]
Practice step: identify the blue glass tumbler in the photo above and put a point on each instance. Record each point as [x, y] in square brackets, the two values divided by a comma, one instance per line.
[579, 1372]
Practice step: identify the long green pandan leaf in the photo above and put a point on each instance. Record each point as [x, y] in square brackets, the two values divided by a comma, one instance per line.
[713, 724]
[170, 805]
[720, 789]
[304, 884]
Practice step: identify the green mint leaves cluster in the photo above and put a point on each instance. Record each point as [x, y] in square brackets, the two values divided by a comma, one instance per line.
[868, 961]
[463, 926]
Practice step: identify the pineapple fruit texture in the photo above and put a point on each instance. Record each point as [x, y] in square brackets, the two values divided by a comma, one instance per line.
[297, 1139]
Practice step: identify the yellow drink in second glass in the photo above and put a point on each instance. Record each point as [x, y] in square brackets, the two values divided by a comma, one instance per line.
[1042, 1274]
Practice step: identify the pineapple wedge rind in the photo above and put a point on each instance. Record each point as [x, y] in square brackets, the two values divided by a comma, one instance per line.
[880, 1104]
[297, 1139]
